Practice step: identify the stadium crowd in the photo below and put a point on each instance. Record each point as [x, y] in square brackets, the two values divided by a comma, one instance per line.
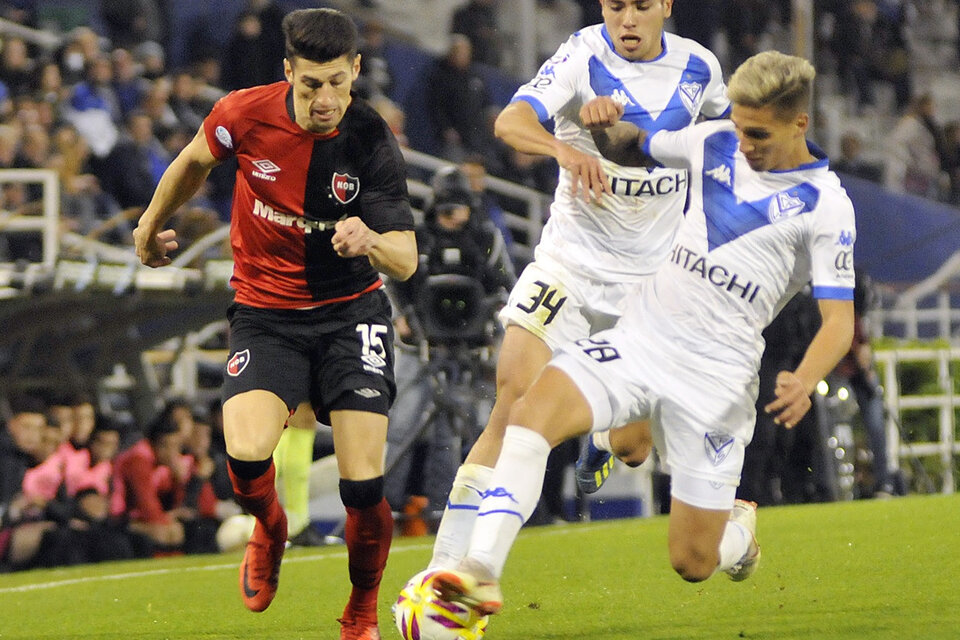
[107, 113]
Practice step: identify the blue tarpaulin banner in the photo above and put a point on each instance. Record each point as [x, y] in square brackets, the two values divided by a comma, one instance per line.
[900, 238]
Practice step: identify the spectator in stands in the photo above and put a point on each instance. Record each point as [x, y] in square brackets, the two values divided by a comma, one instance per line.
[96, 90]
[152, 60]
[82, 45]
[745, 22]
[89, 481]
[697, 20]
[246, 60]
[870, 45]
[477, 20]
[376, 77]
[475, 172]
[271, 24]
[852, 162]
[84, 206]
[17, 68]
[459, 104]
[150, 487]
[49, 85]
[132, 22]
[28, 537]
[133, 168]
[951, 159]
[913, 162]
[185, 102]
[128, 85]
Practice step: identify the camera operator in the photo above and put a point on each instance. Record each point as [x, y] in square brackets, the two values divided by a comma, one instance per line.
[440, 337]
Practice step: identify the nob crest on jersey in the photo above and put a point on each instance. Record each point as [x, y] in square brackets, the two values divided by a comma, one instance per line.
[345, 187]
[238, 362]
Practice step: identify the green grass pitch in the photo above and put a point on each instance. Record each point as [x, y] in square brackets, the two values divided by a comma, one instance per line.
[844, 570]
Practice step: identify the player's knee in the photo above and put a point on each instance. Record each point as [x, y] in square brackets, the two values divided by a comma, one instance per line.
[361, 494]
[693, 565]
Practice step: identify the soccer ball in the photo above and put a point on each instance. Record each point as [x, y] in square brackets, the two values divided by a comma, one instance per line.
[421, 615]
[233, 533]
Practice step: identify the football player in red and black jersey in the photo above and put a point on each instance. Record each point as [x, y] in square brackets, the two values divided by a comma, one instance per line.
[320, 211]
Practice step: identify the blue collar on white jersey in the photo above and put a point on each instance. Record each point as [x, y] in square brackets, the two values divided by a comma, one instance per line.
[822, 161]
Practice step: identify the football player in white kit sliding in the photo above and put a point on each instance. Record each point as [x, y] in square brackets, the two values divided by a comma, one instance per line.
[609, 225]
[766, 215]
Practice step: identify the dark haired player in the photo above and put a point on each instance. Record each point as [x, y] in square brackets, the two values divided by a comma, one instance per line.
[320, 211]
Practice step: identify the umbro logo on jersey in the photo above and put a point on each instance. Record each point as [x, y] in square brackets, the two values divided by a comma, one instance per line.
[690, 93]
[784, 205]
[620, 97]
[367, 393]
[345, 187]
[721, 174]
[238, 362]
[264, 169]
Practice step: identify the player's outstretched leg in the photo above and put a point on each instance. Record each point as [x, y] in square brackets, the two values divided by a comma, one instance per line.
[744, 514]
[260, 569]
[594, 464]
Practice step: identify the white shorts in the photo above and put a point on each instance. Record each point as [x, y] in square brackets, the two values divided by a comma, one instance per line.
[699, 422]
[558, 306]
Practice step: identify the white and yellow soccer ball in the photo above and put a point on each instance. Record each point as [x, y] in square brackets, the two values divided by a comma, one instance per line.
[233, 533]
[421, 615]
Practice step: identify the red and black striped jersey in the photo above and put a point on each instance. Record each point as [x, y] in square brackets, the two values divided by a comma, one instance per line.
[290, 182]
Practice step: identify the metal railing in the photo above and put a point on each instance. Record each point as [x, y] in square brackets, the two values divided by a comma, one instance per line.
[946, 403]
[46, 221]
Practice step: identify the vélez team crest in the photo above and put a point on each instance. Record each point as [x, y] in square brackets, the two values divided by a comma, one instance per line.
[345, 187]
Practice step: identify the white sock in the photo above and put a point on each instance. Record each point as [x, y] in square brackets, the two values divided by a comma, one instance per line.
[515, 488]
[601, 440]
[733, 545]
[453, 536]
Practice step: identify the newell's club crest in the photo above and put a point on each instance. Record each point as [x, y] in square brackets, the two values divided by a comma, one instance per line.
[718, 446]
[238, 362]
[345, 187]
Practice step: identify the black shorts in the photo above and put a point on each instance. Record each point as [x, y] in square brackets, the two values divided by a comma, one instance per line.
[339, 356]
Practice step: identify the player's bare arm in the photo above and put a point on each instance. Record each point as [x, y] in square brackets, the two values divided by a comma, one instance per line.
[518, 126]
[180, 181]
[832, 341]
[393, 253]
[617, 141]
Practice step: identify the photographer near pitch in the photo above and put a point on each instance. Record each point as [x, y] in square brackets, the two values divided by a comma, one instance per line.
[445, 326]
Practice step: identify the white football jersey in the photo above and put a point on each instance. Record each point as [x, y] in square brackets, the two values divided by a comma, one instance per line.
[626, 235]
[749, 241]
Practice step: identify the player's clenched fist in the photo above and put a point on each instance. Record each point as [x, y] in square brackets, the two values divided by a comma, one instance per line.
[352, 238]
[152, 249]
[601, 112]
